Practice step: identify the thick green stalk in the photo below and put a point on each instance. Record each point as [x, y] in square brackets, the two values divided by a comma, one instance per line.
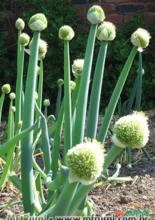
[28, 120]
[37, 167]
[19, 85]
[139, 84]
[67, 100]
[82, 100]
[10, 131]
[40, 88]
[1, 105]
[115, 96]
[58, 101]
[57, 137]
[132, 97]
[45, 140]
[75, 94]
[113, 153]
[74, 102]
[79, 196]
[62, 206]
[94, 103]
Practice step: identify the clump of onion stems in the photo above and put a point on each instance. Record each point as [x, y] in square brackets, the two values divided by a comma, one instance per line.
[68, 142]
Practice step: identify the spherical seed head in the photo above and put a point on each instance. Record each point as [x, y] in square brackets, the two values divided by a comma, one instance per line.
[72, 85]
[20, 24]
[85, 162]
[77, 67]
[140, 38]
[38, 22]
[106, 31]
[46, 102]
[66, 33]
[131, 131]
[24, 39]
[60, 82]
[95, 14]
[6, 88]
[12, 95]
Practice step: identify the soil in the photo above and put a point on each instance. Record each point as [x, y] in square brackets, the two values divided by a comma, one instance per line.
[113, 198]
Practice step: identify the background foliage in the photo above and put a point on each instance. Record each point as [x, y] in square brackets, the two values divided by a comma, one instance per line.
[59, 13]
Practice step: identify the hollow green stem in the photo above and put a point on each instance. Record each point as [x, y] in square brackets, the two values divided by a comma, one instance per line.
[67, 100]
[132, 97]
[10, 131]
[62, 206]
[58, 101]
[79, 196]
[139, 84]
[75, 94]
[19, 85]
[111, 156]
[36, 166]
[57, 137]
[82, 100]
[115, 96]
[40, 86]
[28, 118]
[94, 103]
[45, 141]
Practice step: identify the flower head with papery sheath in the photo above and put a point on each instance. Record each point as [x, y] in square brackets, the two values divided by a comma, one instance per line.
[85, 162]
[140, 38]
[95, 14]
[66, 33]
[131, 131]
[106, 31]
[38, 22]
[77, 67]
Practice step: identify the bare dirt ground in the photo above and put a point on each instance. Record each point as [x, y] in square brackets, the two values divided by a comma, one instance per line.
[112, 198]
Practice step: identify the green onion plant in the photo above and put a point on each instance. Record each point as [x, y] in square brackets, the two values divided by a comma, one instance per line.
[68, 142]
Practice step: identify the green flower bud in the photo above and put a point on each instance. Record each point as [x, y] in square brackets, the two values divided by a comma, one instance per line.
[12, 95]
[66, 33]
[95, 14]
[20, 24]
[46, 102]
[42, 49]
[131, 131]
[13, 108]
[140, 38]
[38, 22]
[77, 67]
[20, 124]
[6, 88]
[60, 82]
[72, 85]
[85, 162]
[24, 39]
[106, 31]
